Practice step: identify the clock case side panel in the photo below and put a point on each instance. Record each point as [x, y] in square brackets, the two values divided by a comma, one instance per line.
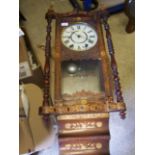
[57, 62]
[105, 62]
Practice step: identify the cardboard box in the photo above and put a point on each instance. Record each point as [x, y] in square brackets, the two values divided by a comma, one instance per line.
[24, 64]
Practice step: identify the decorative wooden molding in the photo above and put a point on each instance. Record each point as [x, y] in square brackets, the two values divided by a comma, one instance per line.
[83, 116]
[94, 145]
[80, 107]
[83, 126]
[82, 147]
[75, 13]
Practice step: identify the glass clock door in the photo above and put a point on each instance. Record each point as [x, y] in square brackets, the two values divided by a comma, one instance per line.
[82, 76]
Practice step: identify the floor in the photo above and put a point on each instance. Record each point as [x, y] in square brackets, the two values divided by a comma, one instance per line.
[122, 131]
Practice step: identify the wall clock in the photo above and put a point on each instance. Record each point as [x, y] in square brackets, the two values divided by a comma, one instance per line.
[86, 82]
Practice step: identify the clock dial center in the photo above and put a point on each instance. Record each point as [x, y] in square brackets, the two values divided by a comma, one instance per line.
[79, 37]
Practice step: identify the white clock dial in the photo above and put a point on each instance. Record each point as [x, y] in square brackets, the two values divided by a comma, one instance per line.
[79, 37]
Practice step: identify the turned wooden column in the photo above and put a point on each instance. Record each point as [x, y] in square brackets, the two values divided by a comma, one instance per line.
[46, 97]
[117, 85]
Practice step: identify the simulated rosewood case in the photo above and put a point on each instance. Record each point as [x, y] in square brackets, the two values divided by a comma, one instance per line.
[86, 87]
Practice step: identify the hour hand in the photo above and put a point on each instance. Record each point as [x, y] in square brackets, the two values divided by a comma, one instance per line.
[78, 35]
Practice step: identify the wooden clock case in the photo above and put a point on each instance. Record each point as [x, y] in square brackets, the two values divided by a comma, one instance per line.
[83, 121]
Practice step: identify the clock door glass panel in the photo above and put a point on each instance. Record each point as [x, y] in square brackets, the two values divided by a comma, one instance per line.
[83, 76]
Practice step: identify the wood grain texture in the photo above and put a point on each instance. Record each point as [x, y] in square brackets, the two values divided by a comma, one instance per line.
[79, 107]
[98, 52]
[90, 145]
[83, 129]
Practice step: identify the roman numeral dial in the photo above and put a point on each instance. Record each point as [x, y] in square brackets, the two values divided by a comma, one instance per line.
[79, 37]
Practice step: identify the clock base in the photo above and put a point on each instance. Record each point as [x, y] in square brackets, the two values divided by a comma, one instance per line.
[90, 145]
[84, 134]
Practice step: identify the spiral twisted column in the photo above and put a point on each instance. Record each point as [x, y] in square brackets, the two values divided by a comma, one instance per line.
[115, 73]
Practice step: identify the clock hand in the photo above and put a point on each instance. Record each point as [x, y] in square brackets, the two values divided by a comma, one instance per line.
[78, 35]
